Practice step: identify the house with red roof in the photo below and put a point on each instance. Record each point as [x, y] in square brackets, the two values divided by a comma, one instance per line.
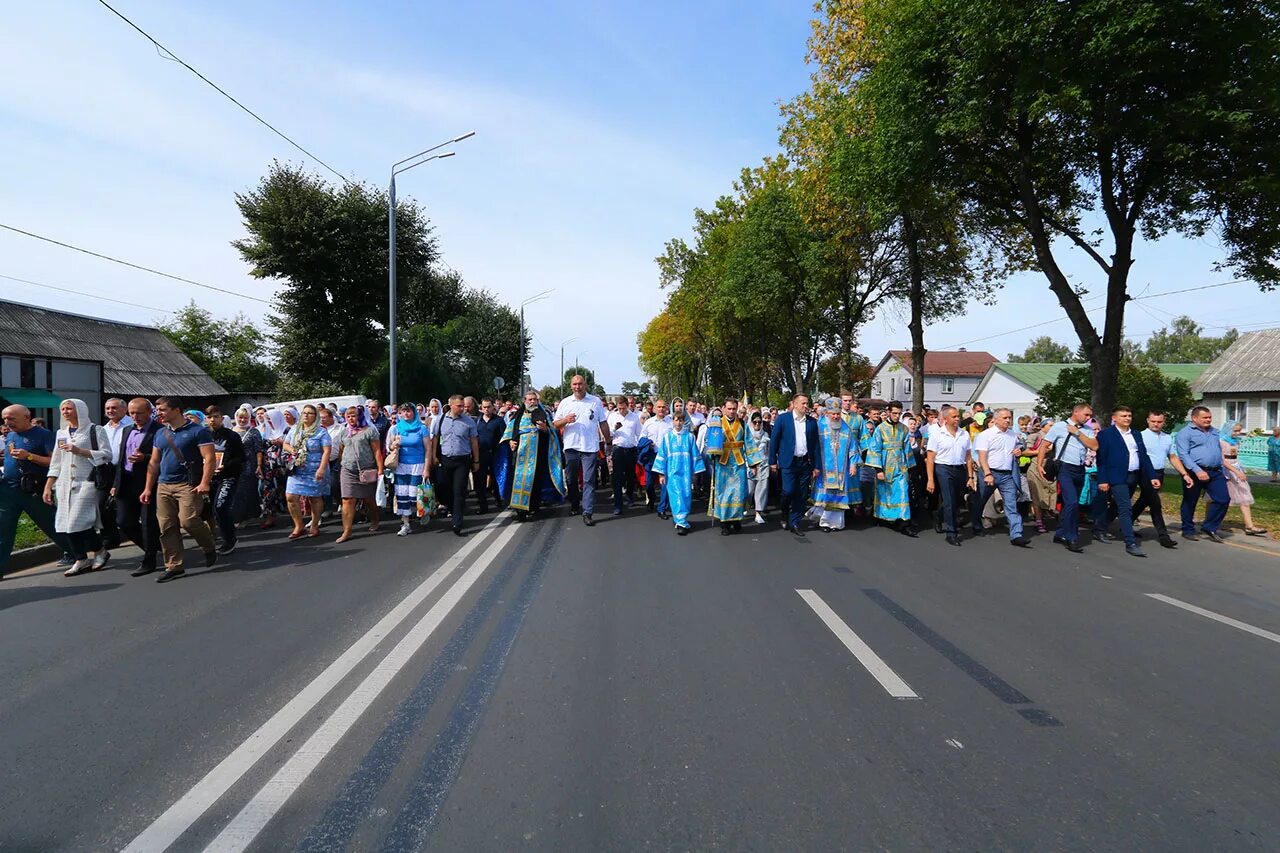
[949, 377]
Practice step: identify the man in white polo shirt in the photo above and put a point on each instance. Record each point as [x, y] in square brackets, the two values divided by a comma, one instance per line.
[624, 428]
[997, 446]
[583, 418]
[950, 468]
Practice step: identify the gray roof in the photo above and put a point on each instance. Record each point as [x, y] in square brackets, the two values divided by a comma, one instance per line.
[135, 359]
[1251, 365]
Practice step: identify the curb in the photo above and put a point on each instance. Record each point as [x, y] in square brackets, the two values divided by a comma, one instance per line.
[29, 558]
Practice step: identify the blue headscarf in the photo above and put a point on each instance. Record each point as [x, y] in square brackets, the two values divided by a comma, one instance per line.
[1224, 432]
[411, 429]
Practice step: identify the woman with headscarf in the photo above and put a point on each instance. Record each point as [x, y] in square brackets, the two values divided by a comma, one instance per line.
[1273, 454]
[246, 503]
[1238, 487]
[310, 446]
[361, 465]
[1044, 494]
[408, 440]
[271, 486]
[82, 446]
[758, 477]
[330, 423]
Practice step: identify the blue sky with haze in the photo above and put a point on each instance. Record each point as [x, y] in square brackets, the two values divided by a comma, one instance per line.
[600, 126]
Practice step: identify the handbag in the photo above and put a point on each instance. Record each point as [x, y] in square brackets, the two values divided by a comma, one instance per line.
[1051, 466]
[368, 476]
[103, 476]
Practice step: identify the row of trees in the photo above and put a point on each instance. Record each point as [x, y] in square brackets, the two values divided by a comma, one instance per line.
[326, 246]
[1183, 341]
[944, 144]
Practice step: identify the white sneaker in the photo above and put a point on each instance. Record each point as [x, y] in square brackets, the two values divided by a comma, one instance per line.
[759, 518]
[404, 529]
[100, 561]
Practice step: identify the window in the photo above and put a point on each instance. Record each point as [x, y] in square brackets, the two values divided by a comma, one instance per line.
[892, 382]
[906, 387]
[1235, 410]
[28, 371]
[1271, 413]
[875, 387]
[948, 386]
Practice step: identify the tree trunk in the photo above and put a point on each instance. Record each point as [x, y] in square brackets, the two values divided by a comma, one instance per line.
[916, 273]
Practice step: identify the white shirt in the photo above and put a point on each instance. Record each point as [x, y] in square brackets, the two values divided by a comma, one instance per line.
[802, 440]
[1001, 445]
[114, 431]
[624, 429]
[655, 429]
[1127, 435]
[948, 449]
[584, 433]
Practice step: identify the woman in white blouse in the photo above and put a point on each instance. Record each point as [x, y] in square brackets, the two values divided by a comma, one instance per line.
[71, 484]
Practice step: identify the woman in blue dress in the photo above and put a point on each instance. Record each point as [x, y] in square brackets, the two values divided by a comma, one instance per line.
[310, 445]
[1273, 454]
[409, 440]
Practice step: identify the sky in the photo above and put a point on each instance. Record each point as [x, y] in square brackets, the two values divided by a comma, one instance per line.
[599, 128]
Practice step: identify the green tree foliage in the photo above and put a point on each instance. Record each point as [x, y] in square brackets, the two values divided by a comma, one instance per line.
[232, 352]
[1140, 386]
[1050, 120]
[1183, 342]
[1044, 350]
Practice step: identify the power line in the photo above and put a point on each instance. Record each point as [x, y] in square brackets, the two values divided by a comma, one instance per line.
[82, 293]
[133, 265]
[169, 54]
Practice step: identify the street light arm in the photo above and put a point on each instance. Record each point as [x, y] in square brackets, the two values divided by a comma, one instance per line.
[395, 172]
[467, 135]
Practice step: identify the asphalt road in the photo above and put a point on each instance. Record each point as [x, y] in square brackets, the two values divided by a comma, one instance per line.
[546, 686]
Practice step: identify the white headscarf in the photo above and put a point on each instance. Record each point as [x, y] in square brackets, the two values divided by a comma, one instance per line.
[82, 415]
[275, 425]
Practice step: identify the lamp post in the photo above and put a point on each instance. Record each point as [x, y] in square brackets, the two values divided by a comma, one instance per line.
[562, 346]
[397, 168]
[535, 298]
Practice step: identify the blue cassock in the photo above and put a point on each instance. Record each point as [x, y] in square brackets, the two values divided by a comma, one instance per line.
[678, 460]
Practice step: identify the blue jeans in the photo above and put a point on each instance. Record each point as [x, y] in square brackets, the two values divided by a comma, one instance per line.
[949, 481]
[1119, 505]
[1006, 483]
[796, 481]
[657, 493]
[1219, 500]
[575, 461]
[1071, 481]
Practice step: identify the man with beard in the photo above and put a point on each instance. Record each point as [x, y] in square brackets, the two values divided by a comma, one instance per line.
[729, 467]
[836, 454]
[535, 452]
[889, 455]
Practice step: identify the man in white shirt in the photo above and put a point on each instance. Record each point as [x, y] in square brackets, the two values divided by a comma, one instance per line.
[997, 450]
[624, 427]
[655, 429]
[583, 419]
[949, 467]
[114, 425]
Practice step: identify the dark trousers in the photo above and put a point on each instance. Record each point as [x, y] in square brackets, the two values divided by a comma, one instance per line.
[1071, 481]
[1219, 500]
[453, 482]
[796, 481]
[485, 485]
[657, 494]
[581, 495]
[1117, 502]
[137, 521]
[949, 481]
[84, 541]
[110, 524]
[223, 497]
[1149, 498]
[13, 503]
[624, 475]
[867, 486]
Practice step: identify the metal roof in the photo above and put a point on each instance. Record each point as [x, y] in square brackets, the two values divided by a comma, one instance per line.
[944, 362]
[1251, 365]
[1036, 375]
[135, 359]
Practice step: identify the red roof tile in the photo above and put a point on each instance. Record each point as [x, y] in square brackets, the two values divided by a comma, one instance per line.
[974, 363]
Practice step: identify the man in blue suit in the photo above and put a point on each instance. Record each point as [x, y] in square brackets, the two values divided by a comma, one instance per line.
[1123, 464]
[793, 450]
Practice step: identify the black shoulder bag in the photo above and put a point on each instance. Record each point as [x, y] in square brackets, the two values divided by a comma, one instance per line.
[195, 470]
[1051, 466]
[104, 475]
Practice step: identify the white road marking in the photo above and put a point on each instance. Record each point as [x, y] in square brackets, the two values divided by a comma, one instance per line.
[953, 742]
[179, 817]
[880, 671]
[244, 827]
[1217, 617]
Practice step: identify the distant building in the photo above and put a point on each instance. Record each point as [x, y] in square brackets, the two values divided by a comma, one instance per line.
[949, 377]
[1016, 385]
[47, 356]
[1243, 384]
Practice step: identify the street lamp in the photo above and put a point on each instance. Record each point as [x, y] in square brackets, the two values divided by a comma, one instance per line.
[535, 298]
[397, 168]
[562, 346]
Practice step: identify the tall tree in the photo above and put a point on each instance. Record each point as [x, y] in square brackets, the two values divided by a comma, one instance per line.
[1044, 350]
[1051, 120]
[1183, 342]
[233, 352]
[1141, 385]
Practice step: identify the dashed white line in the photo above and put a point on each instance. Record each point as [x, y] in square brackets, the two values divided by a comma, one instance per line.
[1217, 617]
[874, 664]
[168, 827]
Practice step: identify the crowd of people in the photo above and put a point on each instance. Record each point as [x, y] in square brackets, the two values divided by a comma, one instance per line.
[153, 471]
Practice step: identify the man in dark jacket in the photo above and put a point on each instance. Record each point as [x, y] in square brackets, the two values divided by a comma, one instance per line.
[1122, 465]
[136, 519]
